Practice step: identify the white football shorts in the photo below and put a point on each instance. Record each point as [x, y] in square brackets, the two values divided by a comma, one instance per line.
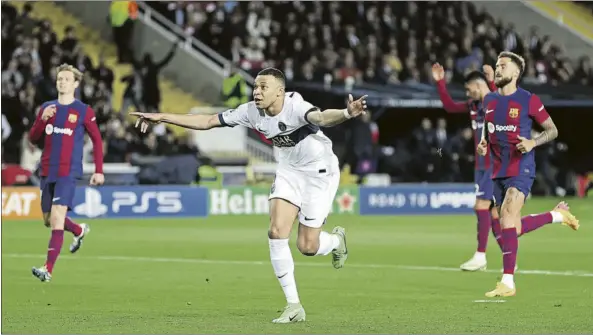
[312, 191]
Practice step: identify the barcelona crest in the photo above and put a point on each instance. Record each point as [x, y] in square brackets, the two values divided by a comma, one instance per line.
[514, 112]
[72, 118]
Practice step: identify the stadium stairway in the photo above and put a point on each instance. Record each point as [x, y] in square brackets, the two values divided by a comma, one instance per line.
[525, 14]
[174, 99]
[569, 14]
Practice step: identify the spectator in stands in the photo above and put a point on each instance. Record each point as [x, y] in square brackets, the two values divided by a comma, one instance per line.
[584, 72]
[151, 93]
[103, 73]
[422, 33]
[122, 15]
[29, 77]
[234, 88]
[133, 92]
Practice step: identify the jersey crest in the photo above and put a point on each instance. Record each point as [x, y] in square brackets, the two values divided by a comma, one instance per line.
[514, 113]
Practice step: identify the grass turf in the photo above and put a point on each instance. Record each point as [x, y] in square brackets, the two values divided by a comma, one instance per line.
[213, 275]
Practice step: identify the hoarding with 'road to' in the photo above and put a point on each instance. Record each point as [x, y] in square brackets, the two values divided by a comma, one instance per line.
[417, 199]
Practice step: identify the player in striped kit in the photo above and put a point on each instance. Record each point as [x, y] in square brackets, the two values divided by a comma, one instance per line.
[62, 124]
[509, 115]
[478, 85]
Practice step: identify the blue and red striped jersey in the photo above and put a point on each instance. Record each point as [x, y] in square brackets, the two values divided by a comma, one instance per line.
[508, 117]
[64, 139]
[476, 113]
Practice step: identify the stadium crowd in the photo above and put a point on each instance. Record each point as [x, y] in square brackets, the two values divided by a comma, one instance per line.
[374, 42]
[31, 52]
[381, 47]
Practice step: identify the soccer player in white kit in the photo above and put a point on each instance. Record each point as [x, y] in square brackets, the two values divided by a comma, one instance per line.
[307, 176]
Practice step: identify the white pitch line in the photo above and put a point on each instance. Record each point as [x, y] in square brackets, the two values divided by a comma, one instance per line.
[231, 262]
[490, 301]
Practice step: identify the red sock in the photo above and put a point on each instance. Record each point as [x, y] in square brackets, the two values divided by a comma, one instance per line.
[533, 222]
[54, 248]
[509, 251]
[483, 229]
[72, 227]
[497, 231]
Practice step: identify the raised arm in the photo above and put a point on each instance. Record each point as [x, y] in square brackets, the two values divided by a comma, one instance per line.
[438, 74]
[448, 104]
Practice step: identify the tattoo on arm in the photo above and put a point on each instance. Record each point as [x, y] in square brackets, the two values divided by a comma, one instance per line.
[550, 132]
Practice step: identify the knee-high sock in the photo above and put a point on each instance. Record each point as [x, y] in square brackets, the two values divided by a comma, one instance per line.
[532, 222]
[484, 223]
[510, 243]
[327, 243]
[497, 231]
[53, 250]
[283, 265]
[72, 227]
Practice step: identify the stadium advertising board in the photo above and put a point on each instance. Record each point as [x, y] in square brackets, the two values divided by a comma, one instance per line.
[417, 199]
[140, 201]
[21, 203]
[254, 200]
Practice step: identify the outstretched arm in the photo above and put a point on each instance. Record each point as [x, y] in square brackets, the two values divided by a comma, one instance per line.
[332, 117]
[197, 122]
[328, 117]
[229, 118]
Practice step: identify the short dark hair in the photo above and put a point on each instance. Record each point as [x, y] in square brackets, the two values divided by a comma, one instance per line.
[518, 60]
[274, 72]
[475, 75]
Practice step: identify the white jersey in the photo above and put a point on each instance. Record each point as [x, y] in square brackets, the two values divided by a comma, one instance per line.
[300, 144]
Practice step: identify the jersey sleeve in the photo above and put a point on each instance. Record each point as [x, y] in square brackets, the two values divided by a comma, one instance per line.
[235, 117]
[448, 104]
[90, 124]
[302, 109]
[537, 111]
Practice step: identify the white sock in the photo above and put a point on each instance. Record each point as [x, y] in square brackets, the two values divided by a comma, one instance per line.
[327, 243]
[556, 217]
[283, 265]
[508, 280]
[480, 256]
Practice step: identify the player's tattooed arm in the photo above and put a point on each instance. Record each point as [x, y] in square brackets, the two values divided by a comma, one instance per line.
[549, 134]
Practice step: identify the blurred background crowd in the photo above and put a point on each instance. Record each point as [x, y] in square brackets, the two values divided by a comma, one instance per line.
[381, 43]
[31, 51]
[374, 42]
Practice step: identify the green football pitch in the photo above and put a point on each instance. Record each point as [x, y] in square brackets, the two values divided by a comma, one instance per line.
[213, 275]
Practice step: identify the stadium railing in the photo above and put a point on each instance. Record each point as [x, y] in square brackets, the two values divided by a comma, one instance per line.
[148, 14]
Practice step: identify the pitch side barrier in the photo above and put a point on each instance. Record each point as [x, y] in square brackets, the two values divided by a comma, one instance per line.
[166, 201]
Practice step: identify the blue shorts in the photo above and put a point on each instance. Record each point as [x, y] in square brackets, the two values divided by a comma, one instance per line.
[484, 184]
[501, 185]
[59, 192]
